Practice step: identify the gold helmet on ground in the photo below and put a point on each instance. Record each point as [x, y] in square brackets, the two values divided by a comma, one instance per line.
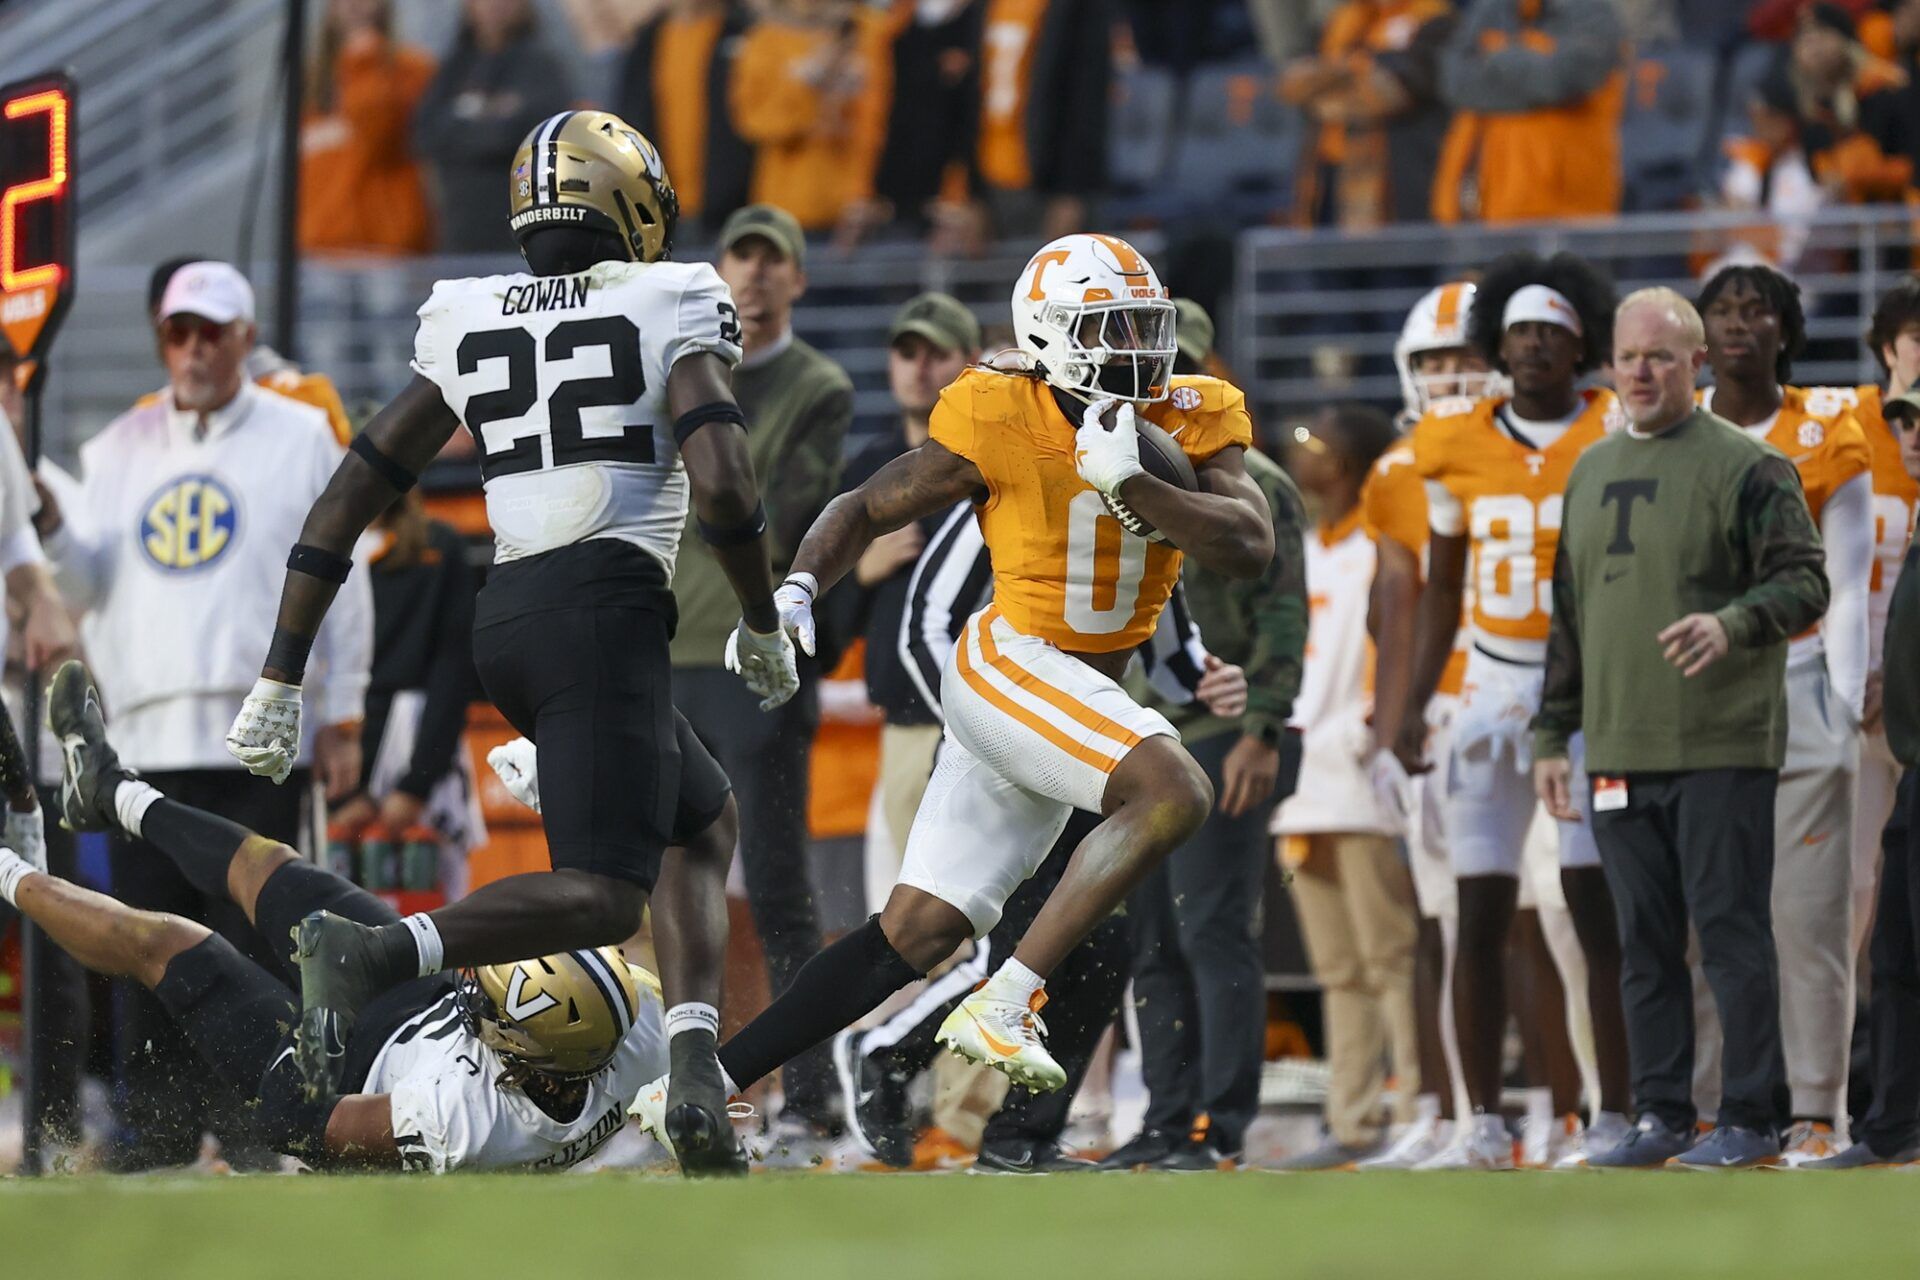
[593, 169]
[563, 1014]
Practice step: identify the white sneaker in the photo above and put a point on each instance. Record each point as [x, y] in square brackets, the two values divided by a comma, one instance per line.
[650, 1109]
[1003, 1034]
[1807, 1141]
[1416, 1144]
[1481, 1143]
[1544, 1146]
[1608, 1130]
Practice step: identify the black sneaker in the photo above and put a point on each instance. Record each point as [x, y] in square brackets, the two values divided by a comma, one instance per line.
[879, 1112]
[1648, 1145]
[1152, 1146]
[696, 1117]
[1197, 1155]
[1028, 1157]
[341, 968]
[91, 769]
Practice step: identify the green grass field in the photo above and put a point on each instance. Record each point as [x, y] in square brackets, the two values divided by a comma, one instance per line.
[797, 1226]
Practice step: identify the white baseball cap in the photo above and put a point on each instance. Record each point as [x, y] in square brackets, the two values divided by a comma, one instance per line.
[215, 290]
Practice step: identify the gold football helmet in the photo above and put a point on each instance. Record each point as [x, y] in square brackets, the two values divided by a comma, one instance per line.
[562, 1015]
[593, 169]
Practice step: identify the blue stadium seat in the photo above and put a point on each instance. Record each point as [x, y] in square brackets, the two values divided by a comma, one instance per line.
[1140, 129]
[1664, 131]
[1237, 143]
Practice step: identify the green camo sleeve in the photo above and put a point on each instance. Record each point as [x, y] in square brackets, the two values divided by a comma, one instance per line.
[1784, 559]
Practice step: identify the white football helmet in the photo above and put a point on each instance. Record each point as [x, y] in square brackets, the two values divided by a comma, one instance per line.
[1090, 314]
[1438, 322]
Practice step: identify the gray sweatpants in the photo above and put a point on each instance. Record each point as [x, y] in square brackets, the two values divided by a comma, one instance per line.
[1812, 904]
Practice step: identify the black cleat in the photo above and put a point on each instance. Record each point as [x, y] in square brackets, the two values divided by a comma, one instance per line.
[1151, 1147]
[91, 768]
[1028, 1157]
[876, 1102]
[696, 1121]
[340, 971]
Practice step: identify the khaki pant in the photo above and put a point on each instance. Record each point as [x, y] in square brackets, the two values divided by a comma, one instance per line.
[965, 1096]
[1354, 897]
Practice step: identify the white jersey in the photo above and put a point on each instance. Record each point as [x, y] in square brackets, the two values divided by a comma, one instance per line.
[451, 1112]
[562, 381]
[1335, 791]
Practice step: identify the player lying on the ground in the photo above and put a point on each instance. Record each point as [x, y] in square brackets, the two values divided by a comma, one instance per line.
[523, 1065]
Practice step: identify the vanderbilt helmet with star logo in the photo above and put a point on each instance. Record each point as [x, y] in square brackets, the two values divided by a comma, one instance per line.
[593, 170]
[563, 1014]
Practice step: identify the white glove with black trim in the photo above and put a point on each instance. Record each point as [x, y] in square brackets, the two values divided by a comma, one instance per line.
[517, 766]
[266, 734]
[1107, 457]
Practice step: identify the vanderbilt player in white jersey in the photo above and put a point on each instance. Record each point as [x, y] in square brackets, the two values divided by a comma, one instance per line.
[597, 389]
[527, 1065]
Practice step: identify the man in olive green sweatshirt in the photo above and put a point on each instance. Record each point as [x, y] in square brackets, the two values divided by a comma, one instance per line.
[1687, 558]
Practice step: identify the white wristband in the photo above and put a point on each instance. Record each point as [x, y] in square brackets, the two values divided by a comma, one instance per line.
[806, 582]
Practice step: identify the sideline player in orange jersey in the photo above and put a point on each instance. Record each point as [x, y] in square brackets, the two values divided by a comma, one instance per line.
[1495, 472]
[1036, 723]
[1894, 339]
[1755, 327]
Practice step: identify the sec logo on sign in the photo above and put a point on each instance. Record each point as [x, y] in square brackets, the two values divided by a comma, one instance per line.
[189, 524]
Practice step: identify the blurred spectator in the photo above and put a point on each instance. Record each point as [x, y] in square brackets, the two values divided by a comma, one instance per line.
[497, 82]
[415, 773]
[1286, 27]
[672, 86]
[267, 367]
[361, 189]
[1351, 888]
[798, 405]
[1045, 79]
[1650, 24]
[1856, 136]
[1538, 88]
[1374, 90]
[1777, 20]
[933, 130]
[1768, 173]
[810, 92]
[174, 543]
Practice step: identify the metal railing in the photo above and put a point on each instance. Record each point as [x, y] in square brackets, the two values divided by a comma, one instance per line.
[1315, 313]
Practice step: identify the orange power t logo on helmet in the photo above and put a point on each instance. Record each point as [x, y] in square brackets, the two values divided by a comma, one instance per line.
[1038, 293]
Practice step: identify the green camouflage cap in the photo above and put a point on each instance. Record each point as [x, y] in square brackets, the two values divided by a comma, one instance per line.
[941, 319]
[1192, 330]
[770, 222]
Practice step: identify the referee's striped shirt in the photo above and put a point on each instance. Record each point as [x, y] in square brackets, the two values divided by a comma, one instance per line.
[953, 580]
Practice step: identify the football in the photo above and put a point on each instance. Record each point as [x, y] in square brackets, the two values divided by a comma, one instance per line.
[1165, 460]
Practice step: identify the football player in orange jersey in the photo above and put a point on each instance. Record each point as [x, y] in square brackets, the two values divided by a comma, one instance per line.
[1037, 724]
[1495, 471]
[1755, 327]
[1894, 339]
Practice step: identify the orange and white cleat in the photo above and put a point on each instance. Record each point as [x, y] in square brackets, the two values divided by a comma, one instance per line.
[1004, 1034]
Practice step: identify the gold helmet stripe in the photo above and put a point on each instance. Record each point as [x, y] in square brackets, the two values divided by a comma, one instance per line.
[596, 968]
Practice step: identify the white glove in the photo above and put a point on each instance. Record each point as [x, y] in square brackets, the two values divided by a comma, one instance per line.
[1391, 785]
[266, 734]
[794, 601]
[766, 662]
[1107, 457]
[517, 766]
[26, 835]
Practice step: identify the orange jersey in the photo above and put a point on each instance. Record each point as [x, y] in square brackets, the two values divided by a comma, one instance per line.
[1817, 431]
[315, 389]
[1064, 570]
[1895, 496]
[1010, 32]
[1507, 500]
[1395, 505]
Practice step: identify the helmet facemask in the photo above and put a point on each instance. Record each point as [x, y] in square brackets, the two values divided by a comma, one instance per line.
[1124, 350]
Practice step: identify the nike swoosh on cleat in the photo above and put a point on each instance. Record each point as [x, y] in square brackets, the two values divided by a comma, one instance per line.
[1000, 1047]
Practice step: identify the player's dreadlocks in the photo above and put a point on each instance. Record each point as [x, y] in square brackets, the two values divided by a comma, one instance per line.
[1899, 308]
[1586, 286]
[1782, 297]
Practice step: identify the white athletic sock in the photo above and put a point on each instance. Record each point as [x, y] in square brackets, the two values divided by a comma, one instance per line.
[693, 1016]
[13, 869]
[1426, 1108]
[1015, 981]
[1540, 1106]
[426, 940]
[131, 800]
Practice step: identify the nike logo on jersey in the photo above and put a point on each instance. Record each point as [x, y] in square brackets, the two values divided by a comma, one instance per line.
[1614, 575]
[544, 295]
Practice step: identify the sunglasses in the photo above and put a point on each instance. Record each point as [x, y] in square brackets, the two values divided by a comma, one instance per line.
[178, 331]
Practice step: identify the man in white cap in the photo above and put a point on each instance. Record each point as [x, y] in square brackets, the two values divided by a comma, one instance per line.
[1495, 473]
[175, 544]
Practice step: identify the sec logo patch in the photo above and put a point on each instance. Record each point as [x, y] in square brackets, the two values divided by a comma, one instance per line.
[189, 524]
[1186, 398]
